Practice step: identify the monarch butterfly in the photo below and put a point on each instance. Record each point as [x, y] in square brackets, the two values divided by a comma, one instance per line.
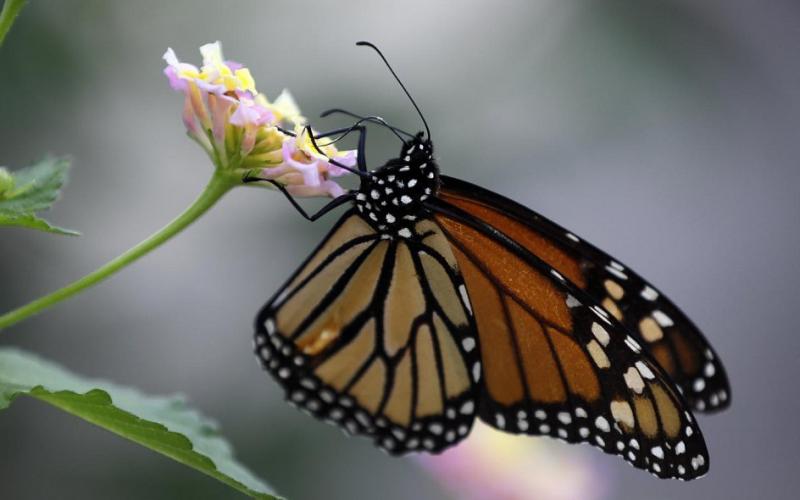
[433, 301]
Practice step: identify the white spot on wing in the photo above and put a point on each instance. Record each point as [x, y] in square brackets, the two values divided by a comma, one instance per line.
[632, 344]
[649, 293]
[633, 380]
[602, 424]
[644, 370]
[600, 334]
[616, 272]
[462, 290]
[468, 344]
[699, 385]
[662, 319]
[468, 407]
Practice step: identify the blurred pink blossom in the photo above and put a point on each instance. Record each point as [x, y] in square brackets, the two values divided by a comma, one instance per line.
[492, 465]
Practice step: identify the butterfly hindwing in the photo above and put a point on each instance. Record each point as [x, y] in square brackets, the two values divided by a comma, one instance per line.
[557, 364]
[663, 330]
[375, 335]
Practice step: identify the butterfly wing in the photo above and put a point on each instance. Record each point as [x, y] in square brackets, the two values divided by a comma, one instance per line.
[373, 335]
[665, 332]
[556, 364]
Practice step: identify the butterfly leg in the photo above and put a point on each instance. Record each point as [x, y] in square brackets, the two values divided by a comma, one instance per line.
[361, 172]
[339, 200]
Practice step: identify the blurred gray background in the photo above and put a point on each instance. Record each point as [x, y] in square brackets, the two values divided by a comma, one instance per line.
[664, 132]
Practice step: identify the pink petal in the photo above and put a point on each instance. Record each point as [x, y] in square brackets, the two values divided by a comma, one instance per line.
[211, 88]
[188, 116]
[175, 81]
[348, 159]
[219, 113]
[310, 171]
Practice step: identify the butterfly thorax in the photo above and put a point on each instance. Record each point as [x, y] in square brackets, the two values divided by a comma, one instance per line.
[392, 197]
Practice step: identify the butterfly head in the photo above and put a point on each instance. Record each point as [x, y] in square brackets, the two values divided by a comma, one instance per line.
[419, 148]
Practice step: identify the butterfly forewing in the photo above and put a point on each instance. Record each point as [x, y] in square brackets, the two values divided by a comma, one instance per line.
[557, 364]
[375, 335]
[663, 330]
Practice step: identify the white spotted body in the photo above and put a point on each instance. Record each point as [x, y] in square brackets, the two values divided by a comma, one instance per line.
[392, 197]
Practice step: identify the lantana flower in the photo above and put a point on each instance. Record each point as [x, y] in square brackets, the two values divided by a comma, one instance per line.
[492, 465]
[304, 170]
[243, 131]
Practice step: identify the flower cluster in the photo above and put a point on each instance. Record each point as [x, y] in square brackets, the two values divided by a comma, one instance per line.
[242, 130]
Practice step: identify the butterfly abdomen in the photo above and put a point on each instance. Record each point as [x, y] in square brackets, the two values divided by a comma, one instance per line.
[392, 197]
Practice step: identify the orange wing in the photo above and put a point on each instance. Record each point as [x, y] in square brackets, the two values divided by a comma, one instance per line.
[664, 331]
[556, 364]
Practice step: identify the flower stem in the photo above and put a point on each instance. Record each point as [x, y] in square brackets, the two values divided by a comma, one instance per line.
[11, 9]
[220, 184]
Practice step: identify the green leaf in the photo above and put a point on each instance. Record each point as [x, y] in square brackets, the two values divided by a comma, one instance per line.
[30, 190]
[163, 424]
[33, 222]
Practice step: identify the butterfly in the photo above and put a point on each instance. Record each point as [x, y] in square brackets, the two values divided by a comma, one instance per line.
[433, 302]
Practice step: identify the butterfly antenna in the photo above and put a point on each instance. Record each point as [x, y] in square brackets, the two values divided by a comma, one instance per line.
[346, 132]
[376, 49]
[371, 119]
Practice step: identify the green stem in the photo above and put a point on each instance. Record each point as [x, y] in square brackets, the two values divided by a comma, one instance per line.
[220, 184]
[11, 9]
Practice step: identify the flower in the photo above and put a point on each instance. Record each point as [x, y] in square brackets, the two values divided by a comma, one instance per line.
[241, 130]
[491, 465]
